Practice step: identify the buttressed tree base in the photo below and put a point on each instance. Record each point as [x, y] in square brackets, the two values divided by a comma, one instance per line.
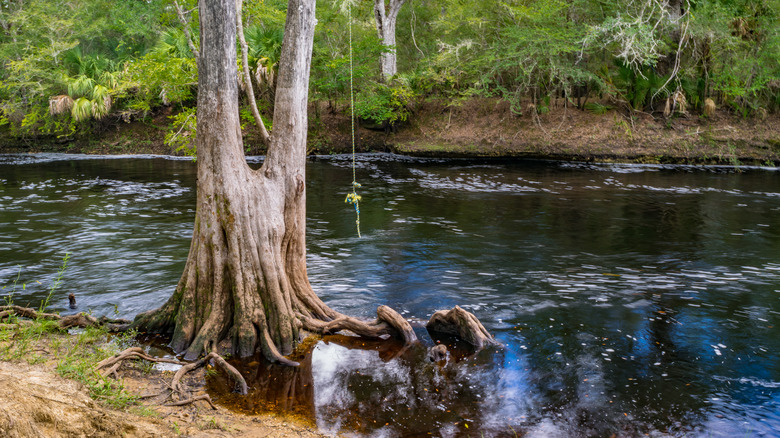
[245, 285]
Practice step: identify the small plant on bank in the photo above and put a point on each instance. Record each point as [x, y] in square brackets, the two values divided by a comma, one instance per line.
[597, 108]
[23, 336]
[385, 104]
[55, 285]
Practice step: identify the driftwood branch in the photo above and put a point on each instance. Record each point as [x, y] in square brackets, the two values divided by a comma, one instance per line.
[26, 312]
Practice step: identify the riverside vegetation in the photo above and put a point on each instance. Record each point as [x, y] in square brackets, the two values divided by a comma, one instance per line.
[659, 81]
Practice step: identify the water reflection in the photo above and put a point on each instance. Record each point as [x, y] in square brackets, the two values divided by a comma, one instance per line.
[381, 388]
[631, 300]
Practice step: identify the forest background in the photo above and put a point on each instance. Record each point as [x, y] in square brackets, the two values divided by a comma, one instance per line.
[648, 80]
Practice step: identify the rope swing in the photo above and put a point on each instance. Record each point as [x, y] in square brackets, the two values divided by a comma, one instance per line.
[352, 198]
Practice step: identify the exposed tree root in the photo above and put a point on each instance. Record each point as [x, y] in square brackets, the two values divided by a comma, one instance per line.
[220, 362]
[110, 366]
[192, 400]
[463, 324]
[113, 363]
[388, 323]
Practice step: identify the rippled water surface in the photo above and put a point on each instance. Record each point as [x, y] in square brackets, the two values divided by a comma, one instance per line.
[630, 300]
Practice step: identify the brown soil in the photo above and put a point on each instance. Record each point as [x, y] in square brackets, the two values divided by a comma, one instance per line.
[36, 403]
[488, 127]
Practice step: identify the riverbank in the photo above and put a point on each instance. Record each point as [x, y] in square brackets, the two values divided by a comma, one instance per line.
[489, 128]
[36, 400]
[482, 127]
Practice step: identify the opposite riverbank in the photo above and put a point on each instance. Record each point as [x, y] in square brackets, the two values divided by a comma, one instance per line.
[482, 127]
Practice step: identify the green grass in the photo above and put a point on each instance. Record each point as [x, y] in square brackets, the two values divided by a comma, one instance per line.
[76, 356]
[90, 347]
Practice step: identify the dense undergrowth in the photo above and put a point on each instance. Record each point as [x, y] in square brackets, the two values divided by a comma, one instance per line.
[73, 70]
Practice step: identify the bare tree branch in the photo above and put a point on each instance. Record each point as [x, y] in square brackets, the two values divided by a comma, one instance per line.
[247, 77]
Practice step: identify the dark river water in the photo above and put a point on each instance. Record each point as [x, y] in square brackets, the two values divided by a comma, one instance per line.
[630, 300]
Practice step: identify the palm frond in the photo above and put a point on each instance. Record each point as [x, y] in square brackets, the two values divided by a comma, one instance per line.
[108, 80]
[173, 42]
[73, 61]
[82, 109]
[80, 86]
[60, 104]
[264, 42]
[101, 101]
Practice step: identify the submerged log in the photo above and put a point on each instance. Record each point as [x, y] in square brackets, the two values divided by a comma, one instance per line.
[463, 324]
[66, 322]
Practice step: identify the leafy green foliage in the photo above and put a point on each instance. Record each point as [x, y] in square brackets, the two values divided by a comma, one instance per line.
[65, 66]
[637, 88]
[53, 48]
[165, 75]
[330, 59]
[385, 104]
[181, 135]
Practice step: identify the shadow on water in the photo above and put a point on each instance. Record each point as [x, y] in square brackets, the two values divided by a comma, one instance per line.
[630, 300]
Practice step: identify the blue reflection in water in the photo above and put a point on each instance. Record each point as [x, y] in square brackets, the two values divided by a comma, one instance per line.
[631, 300]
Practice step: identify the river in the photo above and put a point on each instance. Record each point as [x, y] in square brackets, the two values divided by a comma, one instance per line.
[629, 299]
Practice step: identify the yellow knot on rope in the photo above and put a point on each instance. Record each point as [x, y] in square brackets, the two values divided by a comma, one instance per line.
[354, 199]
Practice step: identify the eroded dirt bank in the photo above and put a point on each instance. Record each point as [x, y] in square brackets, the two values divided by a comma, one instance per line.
[36, 402]
[488, 127]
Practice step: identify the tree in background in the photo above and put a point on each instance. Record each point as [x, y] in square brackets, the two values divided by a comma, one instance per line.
[386, 16]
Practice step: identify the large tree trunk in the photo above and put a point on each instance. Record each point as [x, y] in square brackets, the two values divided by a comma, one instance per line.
[245, 284]
[385, 26]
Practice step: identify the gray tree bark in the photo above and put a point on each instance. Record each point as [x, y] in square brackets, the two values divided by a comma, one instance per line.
[386, 17]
